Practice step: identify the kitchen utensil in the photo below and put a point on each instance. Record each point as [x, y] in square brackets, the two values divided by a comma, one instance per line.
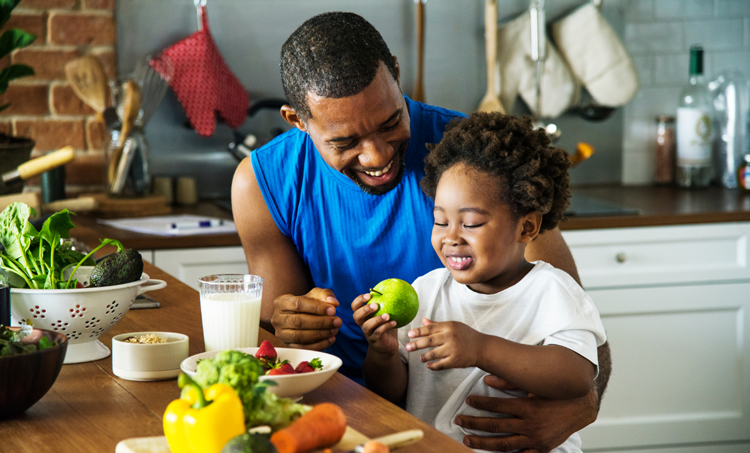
[26, 378]
[81, 314]
[393, 441]
[39, 165]
[598, 59]
[583, 152]
[202, 81]
[153, 84]
[351, 442]
[491, 101]
[243, 145]
[538, 21]
[89, 82]
[418, 93]
[131, 108]
[149, 362]
[288, 385]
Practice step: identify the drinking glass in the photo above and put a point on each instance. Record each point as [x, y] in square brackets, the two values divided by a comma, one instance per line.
[230, 308]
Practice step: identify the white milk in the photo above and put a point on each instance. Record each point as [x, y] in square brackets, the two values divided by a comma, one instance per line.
[230, 320]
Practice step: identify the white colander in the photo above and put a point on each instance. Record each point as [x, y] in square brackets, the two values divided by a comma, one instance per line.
[81, 314]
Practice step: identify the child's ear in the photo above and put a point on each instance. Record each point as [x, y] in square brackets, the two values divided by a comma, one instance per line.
[530, 225]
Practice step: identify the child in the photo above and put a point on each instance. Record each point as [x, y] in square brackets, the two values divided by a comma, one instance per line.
[497, 184]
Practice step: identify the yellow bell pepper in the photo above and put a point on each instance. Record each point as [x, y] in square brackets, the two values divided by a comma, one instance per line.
[203, 421]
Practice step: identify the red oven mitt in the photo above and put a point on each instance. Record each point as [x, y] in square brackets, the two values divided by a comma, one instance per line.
[203, 82]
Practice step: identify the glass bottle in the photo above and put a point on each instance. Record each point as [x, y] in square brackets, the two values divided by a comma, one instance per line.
[4, 298]
[694, 127]
[665, 150]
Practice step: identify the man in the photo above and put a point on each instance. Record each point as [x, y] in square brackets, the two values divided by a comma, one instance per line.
[332, 207]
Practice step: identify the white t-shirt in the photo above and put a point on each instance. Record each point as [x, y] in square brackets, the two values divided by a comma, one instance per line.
[546, 307]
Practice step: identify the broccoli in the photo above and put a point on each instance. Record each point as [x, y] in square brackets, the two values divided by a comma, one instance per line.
[242, 371]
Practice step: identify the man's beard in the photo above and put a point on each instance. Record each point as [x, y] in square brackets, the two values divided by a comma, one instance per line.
[381, 190]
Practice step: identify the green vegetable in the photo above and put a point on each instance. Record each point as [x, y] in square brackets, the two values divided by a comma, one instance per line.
[121, 267]
[11, 342]
[242, 372]
[250, 443]
[38, 256]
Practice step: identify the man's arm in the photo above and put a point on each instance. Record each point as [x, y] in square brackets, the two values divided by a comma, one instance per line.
[268, 252]
[299, 315]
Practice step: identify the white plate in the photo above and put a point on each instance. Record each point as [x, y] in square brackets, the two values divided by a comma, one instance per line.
[289, 385]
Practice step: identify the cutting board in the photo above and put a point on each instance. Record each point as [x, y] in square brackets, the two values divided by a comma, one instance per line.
[115, 208]
[158, 444]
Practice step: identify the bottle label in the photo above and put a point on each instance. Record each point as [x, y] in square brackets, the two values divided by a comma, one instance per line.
[745, 177]
[694, 133]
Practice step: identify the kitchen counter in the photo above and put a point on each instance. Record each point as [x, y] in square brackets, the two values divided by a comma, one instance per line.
[660, 206]
[89, 409]
[657, 206]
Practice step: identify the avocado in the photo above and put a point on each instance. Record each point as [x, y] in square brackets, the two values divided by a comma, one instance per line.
[122, 267]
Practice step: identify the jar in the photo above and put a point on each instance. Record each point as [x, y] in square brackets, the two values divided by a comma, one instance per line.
[743, 175]
[665, 150]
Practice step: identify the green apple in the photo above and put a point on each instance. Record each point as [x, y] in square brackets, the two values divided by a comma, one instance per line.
[397, 298]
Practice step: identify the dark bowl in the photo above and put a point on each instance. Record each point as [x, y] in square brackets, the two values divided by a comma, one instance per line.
[26, 378]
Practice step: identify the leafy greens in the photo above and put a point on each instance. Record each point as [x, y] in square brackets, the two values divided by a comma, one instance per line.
[39, 257]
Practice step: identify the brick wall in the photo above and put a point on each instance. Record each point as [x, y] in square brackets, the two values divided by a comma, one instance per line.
[44, 107]
[658, 34]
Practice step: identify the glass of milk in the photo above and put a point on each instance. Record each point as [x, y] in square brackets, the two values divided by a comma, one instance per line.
[230, 308]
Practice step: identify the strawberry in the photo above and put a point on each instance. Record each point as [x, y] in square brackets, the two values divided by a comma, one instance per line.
[281, 368]
[266, 351]
[307, 367]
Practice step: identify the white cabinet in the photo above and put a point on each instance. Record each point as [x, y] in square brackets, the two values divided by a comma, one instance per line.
[675, 302]
[188, 265]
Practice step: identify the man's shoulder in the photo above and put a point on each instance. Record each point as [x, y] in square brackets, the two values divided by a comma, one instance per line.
[293, 141]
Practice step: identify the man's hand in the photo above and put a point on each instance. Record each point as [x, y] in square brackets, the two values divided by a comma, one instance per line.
[538, 423]
[308, 321]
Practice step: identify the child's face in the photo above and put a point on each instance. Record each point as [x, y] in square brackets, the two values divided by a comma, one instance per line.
[475, 235]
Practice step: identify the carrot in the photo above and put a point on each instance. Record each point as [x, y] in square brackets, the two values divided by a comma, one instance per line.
[375, 447]
[323, 426]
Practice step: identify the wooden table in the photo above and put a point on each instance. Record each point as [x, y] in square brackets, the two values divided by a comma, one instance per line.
[89, 409]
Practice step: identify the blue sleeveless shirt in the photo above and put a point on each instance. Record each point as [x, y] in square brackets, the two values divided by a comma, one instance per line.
[348, 239]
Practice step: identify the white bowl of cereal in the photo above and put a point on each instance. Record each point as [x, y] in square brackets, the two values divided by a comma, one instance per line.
[148, 356]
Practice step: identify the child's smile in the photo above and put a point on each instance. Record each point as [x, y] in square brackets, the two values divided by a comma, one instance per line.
[476, 235]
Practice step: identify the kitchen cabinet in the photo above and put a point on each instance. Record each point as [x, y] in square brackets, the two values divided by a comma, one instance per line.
[675, 302]
[189, 265]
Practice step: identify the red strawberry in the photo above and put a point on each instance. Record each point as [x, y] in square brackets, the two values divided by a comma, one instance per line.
[307, 367]
[266, 351]
[283, 368]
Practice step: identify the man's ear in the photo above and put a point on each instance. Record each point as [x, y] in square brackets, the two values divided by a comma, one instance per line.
[398, 70]
[530, 225]
[291, 117]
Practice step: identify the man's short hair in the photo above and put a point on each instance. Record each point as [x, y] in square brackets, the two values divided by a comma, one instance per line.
[334, 55]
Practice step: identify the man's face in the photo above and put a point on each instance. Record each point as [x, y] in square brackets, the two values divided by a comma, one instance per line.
[364, 136]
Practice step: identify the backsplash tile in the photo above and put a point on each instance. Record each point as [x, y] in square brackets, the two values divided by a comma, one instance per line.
[653, 37]
[682, 9]
[659, 45]
[719, 34]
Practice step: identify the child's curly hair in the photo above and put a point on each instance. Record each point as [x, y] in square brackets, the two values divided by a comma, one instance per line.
[531, 174]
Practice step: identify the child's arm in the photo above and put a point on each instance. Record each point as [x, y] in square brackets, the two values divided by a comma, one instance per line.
[383, 370]
[549, 371]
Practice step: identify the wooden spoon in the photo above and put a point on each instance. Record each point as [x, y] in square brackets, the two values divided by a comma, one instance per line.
[131, 106]
[491, 100]
[418, 94]
[86, 77]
